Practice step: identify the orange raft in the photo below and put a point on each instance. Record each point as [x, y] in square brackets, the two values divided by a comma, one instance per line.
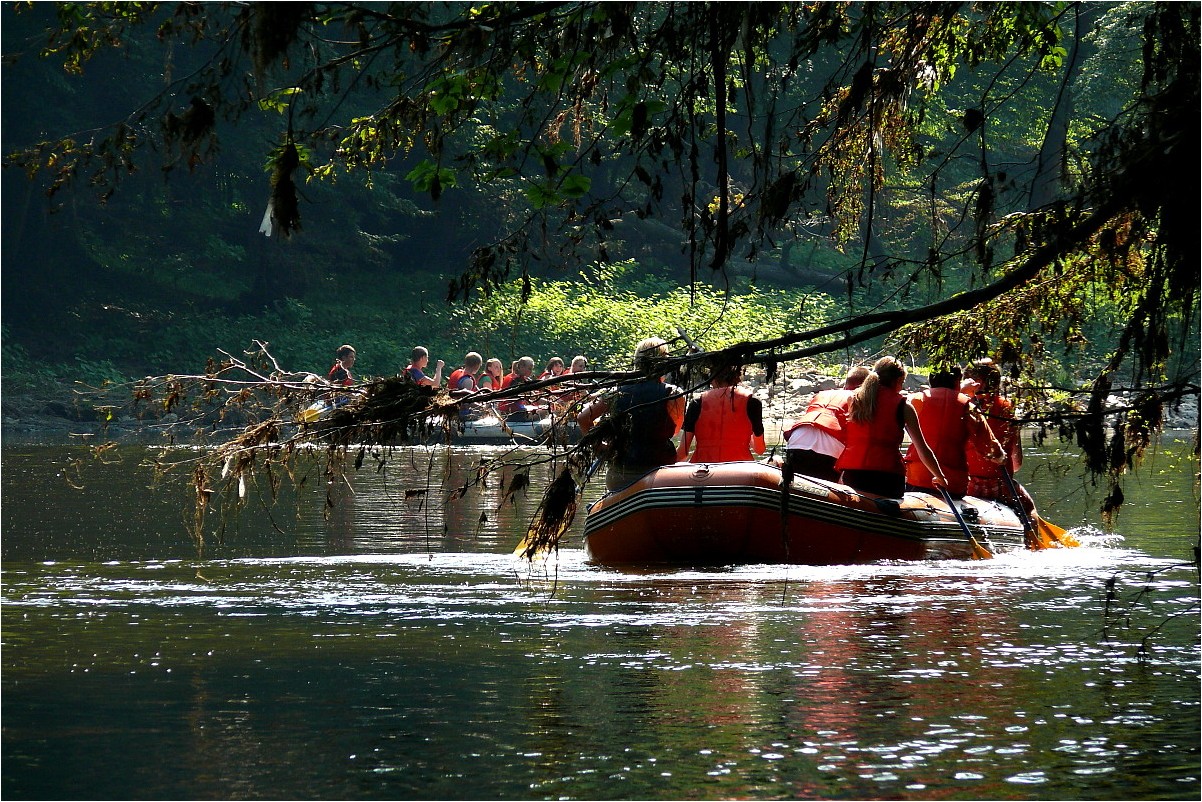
[730, 513]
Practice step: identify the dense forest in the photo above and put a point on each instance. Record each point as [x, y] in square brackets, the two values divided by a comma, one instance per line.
[794, 183]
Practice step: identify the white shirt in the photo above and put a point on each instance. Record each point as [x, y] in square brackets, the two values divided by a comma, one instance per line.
[811, 438]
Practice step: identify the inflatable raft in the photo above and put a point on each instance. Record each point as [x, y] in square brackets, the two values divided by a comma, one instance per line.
[731, 513]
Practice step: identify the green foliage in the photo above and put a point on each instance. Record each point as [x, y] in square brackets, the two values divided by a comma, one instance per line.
[609, 308]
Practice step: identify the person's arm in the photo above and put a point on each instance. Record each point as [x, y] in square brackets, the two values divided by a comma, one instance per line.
[1016, 449]
[676, 410]
[982, 438]
[463, 387]
[437, 380]
[755, 411]
[592, 412]
[910, 418]
[688, 427]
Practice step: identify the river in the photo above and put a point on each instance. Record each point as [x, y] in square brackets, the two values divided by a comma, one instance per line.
[396, 649]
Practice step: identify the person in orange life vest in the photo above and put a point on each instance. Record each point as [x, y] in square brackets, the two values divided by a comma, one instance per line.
[645, 416]
[417, 364]
[340, 373]
[815, 441]
[464, 377]
[983, 381]
[876, 420]
[952, 429]
[518, 409]
[726, 421]
[492, 378]
[566, 401]
[554, 368]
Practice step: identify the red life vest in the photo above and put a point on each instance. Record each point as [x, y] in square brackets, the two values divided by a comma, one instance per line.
[512, 405]
[876, 445]
[943, 418]
[999, 415]
[827, 411]
[456, 376]
[723, 429]
[340, 375]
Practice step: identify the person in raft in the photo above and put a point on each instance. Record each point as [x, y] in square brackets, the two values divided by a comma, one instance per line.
[344, 360]
[987, 478]
[553, 369]
[518, 410]
[463, 378]
[643, 416]
[877, 418]
[726, 421]
[417, 365]
[952, 429]
[462, 382]
[493, 376]
[813, 444]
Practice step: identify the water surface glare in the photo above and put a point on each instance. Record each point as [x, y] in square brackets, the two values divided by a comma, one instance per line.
[303, 664]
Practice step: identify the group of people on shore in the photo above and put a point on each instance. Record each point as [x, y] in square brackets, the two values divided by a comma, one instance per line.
[963, 436]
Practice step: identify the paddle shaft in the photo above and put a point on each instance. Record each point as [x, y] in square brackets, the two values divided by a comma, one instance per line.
[979, 552]
[1018, 500]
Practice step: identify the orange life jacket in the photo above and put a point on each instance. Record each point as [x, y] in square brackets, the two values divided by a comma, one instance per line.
[512, 405]
[723, 429]
[456, 376]
[999, 415]
[340, 375]
[943, 418]
[876, 445]
[827, 411]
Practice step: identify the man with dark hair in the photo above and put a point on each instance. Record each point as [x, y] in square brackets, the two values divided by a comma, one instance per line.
[416, 368]
[951, 427]
[344, 360]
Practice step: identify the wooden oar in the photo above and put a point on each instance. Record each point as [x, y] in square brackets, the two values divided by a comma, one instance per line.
[979, 552]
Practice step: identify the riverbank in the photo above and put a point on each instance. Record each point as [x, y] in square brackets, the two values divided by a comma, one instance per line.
[67, 416]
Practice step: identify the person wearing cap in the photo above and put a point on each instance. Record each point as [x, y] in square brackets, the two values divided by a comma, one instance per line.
[642, 417]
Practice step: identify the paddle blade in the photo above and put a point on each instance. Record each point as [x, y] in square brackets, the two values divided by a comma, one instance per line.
[979, 552]
[1055, 534]
[1037, 540]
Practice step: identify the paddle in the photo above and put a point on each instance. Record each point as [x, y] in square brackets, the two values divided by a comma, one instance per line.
[1042, 535]
[1034, 539]
[979, 552]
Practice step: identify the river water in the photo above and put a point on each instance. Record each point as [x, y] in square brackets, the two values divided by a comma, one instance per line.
[396, 649]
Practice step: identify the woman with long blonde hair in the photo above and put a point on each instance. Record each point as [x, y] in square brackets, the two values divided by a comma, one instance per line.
[879, 416]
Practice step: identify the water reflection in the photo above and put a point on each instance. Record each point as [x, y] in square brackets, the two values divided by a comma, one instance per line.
[395, 649]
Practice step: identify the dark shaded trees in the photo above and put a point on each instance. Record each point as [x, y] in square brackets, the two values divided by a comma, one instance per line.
[737, 125]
